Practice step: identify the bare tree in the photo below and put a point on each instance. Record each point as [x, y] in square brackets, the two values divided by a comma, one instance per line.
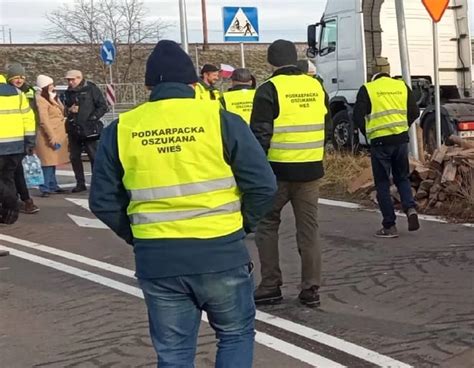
[124, 22]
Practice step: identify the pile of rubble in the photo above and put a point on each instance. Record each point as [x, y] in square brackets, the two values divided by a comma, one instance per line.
[446, 177]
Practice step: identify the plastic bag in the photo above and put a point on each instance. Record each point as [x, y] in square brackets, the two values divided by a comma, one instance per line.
[33, 172]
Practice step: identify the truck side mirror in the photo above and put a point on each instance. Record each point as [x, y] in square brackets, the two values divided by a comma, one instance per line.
[312, 43]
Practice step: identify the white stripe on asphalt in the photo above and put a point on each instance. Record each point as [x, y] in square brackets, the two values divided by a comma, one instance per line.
[298, 329]
[333, 342]
[68, 173]
[71, 185]
[71, 256]
[327, 202]
[355, 206]
[87, 222]
[260, 337]
[81, 202]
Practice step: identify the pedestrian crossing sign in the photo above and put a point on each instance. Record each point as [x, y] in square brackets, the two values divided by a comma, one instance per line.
[240, 24]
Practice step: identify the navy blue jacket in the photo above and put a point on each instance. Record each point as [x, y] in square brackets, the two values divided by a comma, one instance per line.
[156, 258]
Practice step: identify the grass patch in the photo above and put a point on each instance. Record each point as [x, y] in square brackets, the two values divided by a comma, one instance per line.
[340, 168]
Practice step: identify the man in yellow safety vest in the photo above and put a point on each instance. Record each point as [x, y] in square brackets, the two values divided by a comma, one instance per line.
[17, 135]
[183, 181]
[16, 76]
[384, 111]
[205, 88]
[289, 118]
[239, 98]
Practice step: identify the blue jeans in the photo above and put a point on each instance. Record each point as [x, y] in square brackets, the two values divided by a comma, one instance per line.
[50, 184]
[175, 305]
[386, 160]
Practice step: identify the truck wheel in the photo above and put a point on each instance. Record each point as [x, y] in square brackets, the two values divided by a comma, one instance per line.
[341, 133]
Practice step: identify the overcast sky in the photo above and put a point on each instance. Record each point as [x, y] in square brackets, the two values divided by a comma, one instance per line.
[277, 18]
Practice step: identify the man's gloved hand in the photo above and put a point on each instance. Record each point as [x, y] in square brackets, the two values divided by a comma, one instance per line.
[8, 215]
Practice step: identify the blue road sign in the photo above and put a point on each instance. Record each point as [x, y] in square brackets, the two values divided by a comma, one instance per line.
[240, 24]
[108, 52]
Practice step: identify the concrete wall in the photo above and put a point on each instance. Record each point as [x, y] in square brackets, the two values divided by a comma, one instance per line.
[55, 59]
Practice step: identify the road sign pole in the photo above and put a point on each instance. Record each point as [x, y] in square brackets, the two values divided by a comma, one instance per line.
[112, 84]
[242, 54]
[436, 81]
[183, 22]
[197, 58]
[405, 64]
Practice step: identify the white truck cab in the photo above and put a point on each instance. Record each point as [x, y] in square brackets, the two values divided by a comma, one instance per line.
[357, 38]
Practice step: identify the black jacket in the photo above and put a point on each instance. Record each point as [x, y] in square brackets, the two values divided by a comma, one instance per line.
[265, 110]
[363, 107]
[92, 106]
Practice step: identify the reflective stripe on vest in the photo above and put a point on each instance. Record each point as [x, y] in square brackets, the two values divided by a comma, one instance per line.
[388, 98]
[11, 139]
[240, 102]
[151, 194]
[157, 217]
[174, 171]
[15, 111]
[298, 131]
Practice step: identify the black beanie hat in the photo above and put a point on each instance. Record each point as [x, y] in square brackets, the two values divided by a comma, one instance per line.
[169, 63]
[282, 52]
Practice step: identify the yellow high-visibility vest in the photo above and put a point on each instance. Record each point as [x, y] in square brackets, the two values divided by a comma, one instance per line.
[174, 170]
[240, 102]
[204, 93]
[388, 116]
[298, 131]
[17, 118]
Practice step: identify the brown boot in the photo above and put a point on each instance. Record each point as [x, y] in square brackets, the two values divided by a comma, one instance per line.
[28, 207]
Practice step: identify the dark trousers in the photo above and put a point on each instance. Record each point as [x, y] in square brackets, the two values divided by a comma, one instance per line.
[8, 166]
[386, 160]
[303, 197]
[20, 182]
[76, 147]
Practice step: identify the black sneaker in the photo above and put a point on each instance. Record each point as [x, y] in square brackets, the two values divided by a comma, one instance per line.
[413, 223]
[79, 188]
[384, 232]
[4, 253]
[265, 296]
[60, 191]
[310, 297]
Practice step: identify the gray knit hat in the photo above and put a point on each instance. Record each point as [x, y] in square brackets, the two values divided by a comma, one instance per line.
[15, 70]
[281, 53]
[241, 75]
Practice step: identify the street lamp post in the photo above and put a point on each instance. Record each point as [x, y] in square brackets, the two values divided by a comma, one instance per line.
[183, 22]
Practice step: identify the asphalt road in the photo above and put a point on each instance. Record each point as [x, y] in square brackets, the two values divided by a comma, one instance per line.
[68, 297]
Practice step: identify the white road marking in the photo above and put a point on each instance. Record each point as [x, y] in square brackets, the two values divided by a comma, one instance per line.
[70, 185]
[298, 329]
[330, 202]
[327, 202]
[71, 256]
[81, 202]
[351, 205]
[85, 221]
[69, 173]
[333, 342]
[261, 337]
